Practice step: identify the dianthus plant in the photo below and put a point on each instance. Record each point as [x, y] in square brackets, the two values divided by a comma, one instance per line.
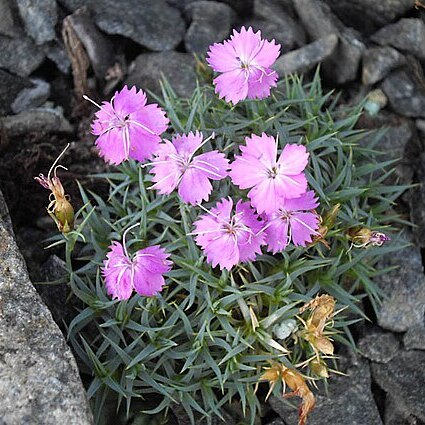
[231, 237]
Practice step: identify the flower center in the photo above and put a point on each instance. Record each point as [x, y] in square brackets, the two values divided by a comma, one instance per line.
[272, 173]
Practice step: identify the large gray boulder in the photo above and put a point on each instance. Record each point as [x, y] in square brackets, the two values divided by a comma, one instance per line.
[39, 381]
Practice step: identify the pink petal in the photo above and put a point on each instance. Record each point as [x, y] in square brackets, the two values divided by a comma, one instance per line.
[214, 164]
[277, 235]
[232, 85]
[260, 88]
[151, 117]
[194, 186]
[245, 43]
[292, 186]
[268, 54]
[148, 284]
[187, 143]
[111, 146]
[307, 201]
[266, 196]
[303, 227]
[117, 272]
[128, 101]
[222, 57]
[143, 145]
[258, 156]
[293, 159]
[223, 252]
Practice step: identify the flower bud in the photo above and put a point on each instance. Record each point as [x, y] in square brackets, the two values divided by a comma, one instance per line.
[363, 237]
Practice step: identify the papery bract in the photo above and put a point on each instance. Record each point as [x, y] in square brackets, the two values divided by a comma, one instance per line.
[293, 221]
[229, 238]
[244, 62]
[143, 272]
[272, 179]
[127, 127]
[176, 166]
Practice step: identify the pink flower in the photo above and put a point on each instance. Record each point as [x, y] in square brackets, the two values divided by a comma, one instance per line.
[127, 127]
[244, 62]
[272, 180]
[229, 238]
[143, 272]
[176, 166]
[293, 221]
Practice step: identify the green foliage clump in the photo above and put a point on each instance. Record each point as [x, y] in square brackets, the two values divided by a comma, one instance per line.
[206, 339]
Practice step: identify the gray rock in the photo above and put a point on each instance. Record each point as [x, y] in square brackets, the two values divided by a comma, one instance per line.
[349, 402]
[274, 21]
[178, 68]
[319, 22]
[317, 18]
[56, 52]
[46, 120]
[210, 22]
[39, 381]
[19, 55]
[395, 416]
[404, 289]
[405, 93]
[73, 5]
[31, 97]
[9, 22]
[55, 295]
[417, 201]
[307, 57]
[403, 379]
[407, 34]
[344, 64]
[40, 18]
[10, 87]
[379, 346]
[378, 62]
[98, 48]
[414, 338]
[152, 24]
[368, 14]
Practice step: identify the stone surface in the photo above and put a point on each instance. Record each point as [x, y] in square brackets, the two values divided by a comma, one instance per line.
[316, 17]
[414, 338]
[31, 97]
[10, 87]
[404, 289]
[379, 346]
[56, 52]
[396, 415]
[343, 65]
[307, 57]
[403, 378]
[417, 201]
[97, 46]
[40, 18]
[406, 94]
[210, 22]
[274, 21]
[19, 55]
[152, 24]
[319, 22]
[407, 34]
[39, 381]
[45, 120]
[9, 22]
[350, 401]
[178, 68]
[369, 14]
[378, 62]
